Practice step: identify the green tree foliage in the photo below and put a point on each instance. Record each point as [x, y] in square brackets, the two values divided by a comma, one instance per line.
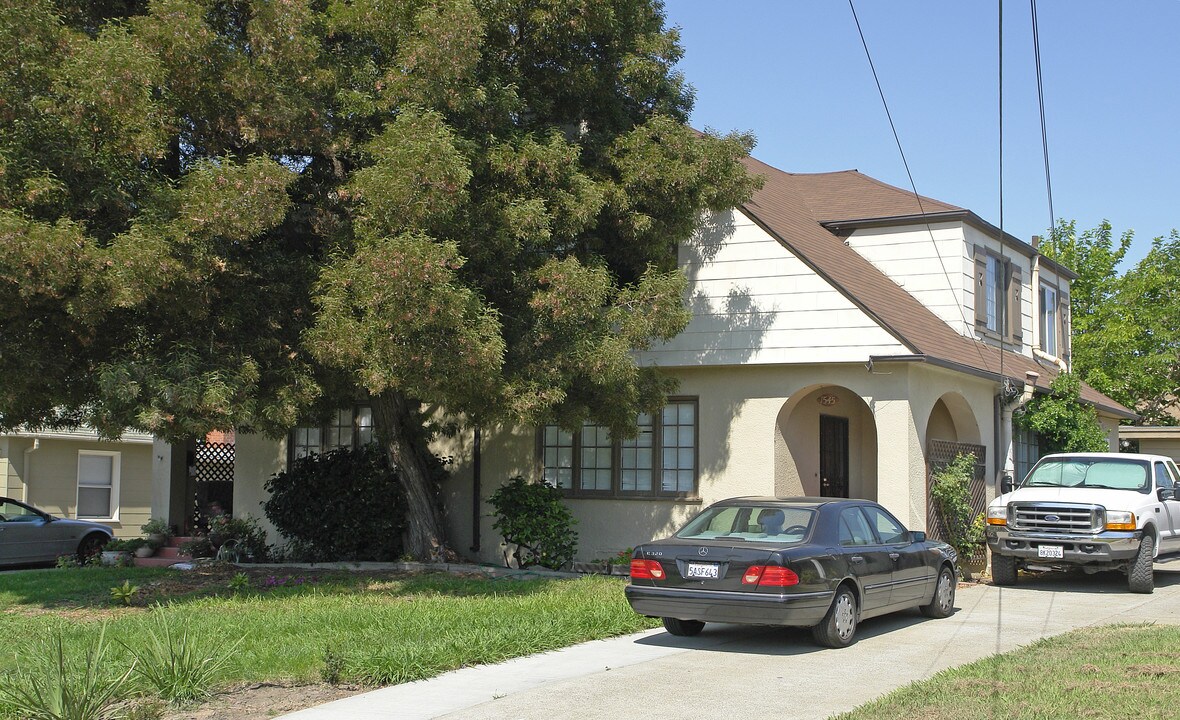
[1126, 342]
[533, 517]
[1063, 421]
[235, 213]
[950, 488]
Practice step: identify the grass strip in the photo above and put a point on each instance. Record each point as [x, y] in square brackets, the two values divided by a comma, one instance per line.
[1127, 671]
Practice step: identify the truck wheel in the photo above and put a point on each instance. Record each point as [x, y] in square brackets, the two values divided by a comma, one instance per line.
[1140, 578]
[1003, 569]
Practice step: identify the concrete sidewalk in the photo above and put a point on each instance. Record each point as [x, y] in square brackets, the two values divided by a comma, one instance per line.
[642, 675]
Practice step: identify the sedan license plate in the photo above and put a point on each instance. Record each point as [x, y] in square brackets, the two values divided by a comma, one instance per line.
[1050, 551]
[701, 570]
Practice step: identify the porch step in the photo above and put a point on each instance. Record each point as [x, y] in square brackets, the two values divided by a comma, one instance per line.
[168, 555]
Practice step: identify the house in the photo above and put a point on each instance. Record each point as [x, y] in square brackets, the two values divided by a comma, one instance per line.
[845, 335]
[74, 474]
[1154, 439]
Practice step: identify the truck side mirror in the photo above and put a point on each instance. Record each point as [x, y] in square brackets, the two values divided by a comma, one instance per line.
[1005, 484]
[1166, 494]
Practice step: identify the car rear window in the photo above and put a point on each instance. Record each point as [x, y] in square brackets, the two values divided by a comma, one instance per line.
[761, 523]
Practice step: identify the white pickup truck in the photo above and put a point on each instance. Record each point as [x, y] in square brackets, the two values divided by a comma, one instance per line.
[1094, 511]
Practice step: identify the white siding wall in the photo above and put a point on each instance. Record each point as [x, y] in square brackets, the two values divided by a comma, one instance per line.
[754, 303]
[928, 263]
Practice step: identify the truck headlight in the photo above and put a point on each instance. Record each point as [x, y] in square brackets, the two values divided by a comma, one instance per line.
[997, 515]
[1120, 520]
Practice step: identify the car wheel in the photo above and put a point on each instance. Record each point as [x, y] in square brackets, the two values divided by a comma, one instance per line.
[90, 546]
[1140, 576]
[683, 628]
[1003, 569]
[838, 628]
[943, 602]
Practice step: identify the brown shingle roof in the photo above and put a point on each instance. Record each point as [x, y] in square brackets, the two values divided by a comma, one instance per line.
[792, 208]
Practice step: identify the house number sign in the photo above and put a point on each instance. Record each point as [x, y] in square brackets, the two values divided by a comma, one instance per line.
[827, 399]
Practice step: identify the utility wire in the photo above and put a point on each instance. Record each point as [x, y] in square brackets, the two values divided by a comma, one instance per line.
[913, 186]
[1041, 103]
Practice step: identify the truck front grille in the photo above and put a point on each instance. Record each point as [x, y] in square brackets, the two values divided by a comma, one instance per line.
[1056, 517]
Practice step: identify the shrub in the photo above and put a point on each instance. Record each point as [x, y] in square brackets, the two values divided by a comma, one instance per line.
[52, 684]
[248, 535]
[533, 517]
[343, 505]
[950, 488]
[178, 666]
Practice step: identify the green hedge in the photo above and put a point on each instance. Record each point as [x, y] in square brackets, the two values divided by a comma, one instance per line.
[343, 505]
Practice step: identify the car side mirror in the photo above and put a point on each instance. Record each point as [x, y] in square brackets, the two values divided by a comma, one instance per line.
[917, 536]
[1006, 484]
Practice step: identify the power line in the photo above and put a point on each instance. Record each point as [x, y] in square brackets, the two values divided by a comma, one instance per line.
[1041, 102]
[913, 186]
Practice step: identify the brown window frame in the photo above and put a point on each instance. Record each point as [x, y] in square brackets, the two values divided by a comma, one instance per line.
[616, 491]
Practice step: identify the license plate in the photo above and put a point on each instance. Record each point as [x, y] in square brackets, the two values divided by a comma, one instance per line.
[701, 570]
[1050, 551]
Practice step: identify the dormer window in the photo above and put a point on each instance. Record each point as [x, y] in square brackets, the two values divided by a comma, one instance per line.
[1048, 319]
[997, 296]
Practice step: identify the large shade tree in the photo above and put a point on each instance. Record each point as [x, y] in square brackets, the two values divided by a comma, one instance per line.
[1126, 341]
[234, 213]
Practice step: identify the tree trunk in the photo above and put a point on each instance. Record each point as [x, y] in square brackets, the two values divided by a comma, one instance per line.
[399, 429]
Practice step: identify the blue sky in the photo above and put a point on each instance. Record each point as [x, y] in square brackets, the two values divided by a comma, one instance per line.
[795, 74]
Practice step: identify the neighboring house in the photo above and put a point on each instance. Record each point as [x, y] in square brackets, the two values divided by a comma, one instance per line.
[845, 335]
[71, 473]
[1154, 439]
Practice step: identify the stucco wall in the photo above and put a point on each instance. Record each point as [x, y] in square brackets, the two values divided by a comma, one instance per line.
[256, 459]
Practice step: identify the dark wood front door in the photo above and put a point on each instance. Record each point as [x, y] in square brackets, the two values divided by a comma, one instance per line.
[833, 456]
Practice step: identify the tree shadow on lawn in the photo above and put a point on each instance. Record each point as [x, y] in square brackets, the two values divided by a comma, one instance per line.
[88, 590]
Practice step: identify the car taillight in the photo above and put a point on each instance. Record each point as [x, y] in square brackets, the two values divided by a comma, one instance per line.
[770, 576]
[646, 569]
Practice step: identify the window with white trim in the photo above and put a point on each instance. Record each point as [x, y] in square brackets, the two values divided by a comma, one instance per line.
[1048, 319]
[98, 484]
[665, 449]
[349, 427]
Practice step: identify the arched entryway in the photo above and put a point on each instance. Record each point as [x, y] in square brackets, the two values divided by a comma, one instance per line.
[951, 430]
[825, 445]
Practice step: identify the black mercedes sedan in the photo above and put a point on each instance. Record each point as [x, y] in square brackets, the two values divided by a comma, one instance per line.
[822, 563]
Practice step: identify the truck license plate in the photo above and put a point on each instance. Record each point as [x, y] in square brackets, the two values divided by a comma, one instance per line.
[1050, 551]
[701, 570]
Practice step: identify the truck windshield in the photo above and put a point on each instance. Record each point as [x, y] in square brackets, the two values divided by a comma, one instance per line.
[1109, 473]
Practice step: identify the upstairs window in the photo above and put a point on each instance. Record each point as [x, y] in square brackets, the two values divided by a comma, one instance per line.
[1048, 319]
[660, 461]
[997, 297]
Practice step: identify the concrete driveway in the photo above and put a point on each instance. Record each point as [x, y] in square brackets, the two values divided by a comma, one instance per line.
[640, 675]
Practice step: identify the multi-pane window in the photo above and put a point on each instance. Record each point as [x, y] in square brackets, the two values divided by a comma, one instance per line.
[636, 458]
[351, 427]
[1028, 451]
[1048, 320]
[665, 448]
[98, 484]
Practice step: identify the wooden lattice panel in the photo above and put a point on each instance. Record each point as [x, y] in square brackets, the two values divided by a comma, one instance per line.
[215, 462]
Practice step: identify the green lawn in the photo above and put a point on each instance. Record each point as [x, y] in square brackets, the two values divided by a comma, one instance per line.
[1121, 671]
[299, 625]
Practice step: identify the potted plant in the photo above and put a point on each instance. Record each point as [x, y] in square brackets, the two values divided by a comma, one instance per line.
[118, 552]
[157, 531]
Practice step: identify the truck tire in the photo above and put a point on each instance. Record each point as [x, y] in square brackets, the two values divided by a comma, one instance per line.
[1003, 569]
[1140, 577]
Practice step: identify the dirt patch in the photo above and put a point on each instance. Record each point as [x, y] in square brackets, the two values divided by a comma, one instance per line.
[262, 701]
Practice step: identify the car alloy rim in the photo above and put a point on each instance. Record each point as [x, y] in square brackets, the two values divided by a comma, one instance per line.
[845, 622]
[944, 591]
